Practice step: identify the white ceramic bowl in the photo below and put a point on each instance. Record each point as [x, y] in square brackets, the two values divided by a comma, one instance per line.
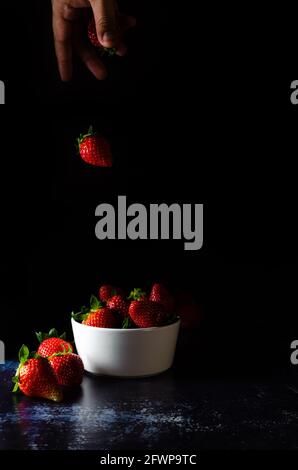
[126, 353]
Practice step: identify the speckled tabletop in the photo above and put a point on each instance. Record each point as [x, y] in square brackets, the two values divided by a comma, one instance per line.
[166, 411]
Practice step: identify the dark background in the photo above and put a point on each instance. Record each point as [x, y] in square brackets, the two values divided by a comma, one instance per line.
[199, 111]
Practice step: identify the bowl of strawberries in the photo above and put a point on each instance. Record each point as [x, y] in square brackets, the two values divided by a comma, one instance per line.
[127, 336]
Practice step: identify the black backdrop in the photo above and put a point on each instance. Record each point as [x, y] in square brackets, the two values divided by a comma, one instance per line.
[199, 111]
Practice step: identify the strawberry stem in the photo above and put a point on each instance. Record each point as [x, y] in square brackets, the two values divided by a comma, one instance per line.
[61, 353]
[23, 356]
[79, 316]
[95, 303]
[137, 294]
[53, 333]
[108, 51]
[82, 137]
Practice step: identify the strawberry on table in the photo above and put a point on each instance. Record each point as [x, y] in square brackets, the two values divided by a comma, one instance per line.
[68, 368]
[146, 313]
[95, 149]
[159, 293]
[35, 377]
[51, 343]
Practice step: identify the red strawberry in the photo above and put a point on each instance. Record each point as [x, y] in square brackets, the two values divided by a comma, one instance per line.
[95, 149]
[146, 314]
[51, 343]
[107, 291]
[119, 304]
[68, 368]
[137, 294]
[92, 35]
[159, 293]
[35, 377]
[102, 318]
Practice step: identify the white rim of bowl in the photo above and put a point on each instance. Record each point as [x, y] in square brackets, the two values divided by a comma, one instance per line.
[125, 330]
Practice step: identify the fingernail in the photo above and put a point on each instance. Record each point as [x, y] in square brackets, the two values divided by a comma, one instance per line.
[108, 36]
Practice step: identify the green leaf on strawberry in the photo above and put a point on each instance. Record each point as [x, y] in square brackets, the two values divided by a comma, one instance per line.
[137, 294]
[95, 303]
[53, 333]
[23, 354]
[172, 319]
[81, 315]
[61, 353]
[82, 137]
[127, 323]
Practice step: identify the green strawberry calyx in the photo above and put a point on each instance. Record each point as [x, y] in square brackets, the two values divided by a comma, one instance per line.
[95, 304]
[24, 355]
[137, 294]
[172, 318]
[127, 323]
[53, 333]
[113, 293]
[65, 352]
[81, 315]
[107, 51]
[90, 133]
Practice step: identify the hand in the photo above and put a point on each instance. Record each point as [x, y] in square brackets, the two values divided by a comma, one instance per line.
[70, 33]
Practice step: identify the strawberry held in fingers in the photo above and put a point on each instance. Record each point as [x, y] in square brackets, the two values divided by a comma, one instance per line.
[159, 293]
[35, 377]
[95, 149]
[92, 35]
[51, 343]
[146, 313]
[68, 368]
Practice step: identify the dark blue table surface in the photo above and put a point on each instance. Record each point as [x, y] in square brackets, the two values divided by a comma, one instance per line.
[167, 411]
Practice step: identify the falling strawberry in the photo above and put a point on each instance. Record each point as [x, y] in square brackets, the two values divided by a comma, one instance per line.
[69, 369]
[119, 304]
[147, 314]
[92, 35]
[51, 343]
[107, 291]
[35, 377]
[95, 149]
[159, 293]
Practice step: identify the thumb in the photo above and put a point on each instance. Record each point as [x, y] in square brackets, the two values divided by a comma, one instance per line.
[104, 12]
